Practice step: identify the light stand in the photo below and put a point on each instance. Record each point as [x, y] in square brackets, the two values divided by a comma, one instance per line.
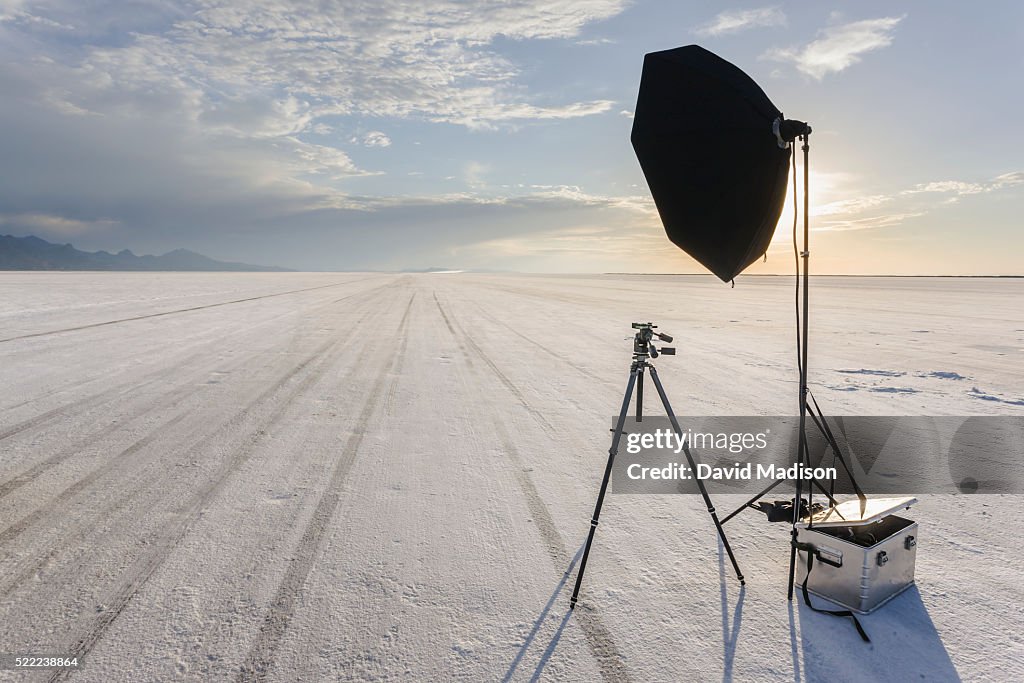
[643, 349]
[803, 454]
[788, 132]
[719, 198]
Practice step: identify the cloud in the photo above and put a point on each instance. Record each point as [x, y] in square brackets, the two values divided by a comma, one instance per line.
[838, 47]
[202, 123]
[868, 222]
[475, 109]
[569, 230]
[954, 186]
[589, 244]
[54, 225]
[465, 230]
[474, 174]
[846, 214]
[148, 175]
[263, 69]
[1007, 180]
[637, 204]
[960, 188]
[847, 206]
[376, 138]
[283, 65]
[318, 159]
[540, 197]
[12, 11]
[734, 21]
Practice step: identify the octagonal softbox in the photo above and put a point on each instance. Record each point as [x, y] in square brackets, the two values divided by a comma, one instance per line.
[703, 135]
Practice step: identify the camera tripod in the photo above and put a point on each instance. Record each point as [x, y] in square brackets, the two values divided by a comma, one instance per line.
[643, 350]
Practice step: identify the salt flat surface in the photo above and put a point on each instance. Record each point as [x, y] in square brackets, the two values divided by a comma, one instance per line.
[306, 477]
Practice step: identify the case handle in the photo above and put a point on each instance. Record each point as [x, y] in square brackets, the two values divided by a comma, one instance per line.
[829, 556]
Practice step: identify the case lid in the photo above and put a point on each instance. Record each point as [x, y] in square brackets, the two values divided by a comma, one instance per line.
[852, 513]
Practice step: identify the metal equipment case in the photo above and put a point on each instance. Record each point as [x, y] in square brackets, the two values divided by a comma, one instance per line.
[863, 557]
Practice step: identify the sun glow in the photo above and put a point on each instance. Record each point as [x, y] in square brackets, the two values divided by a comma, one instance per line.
[828, 191]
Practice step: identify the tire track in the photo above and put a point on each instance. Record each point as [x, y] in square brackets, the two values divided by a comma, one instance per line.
[512, 388]
[28, 569]
[95, 400]
[599, 638]
[444, 316]
[754, 359]
[590, 302]
[546, 349]
[194, 342]
[263, 650]
[14, 530]
[174, 312]
[168, 400]
[167, 538]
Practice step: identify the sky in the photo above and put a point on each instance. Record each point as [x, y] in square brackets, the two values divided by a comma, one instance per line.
[494, 134]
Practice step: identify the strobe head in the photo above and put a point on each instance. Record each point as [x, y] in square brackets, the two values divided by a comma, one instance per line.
[788, 130]
[642, 341]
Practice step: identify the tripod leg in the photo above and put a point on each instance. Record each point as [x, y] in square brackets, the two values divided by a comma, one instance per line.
[640, 394]
[619, 426]
[693, 468]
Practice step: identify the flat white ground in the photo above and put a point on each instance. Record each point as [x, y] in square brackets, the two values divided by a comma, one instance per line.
[306, 477]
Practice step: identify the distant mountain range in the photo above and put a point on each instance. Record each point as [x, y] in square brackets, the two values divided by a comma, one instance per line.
[33, 253]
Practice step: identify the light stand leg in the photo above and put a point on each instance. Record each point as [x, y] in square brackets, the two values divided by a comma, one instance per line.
[693, 468]
[802, 448]
[750, 503]
[796, 518]
[612, 452]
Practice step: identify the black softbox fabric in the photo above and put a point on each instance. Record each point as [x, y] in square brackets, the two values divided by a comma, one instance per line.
[703, 135]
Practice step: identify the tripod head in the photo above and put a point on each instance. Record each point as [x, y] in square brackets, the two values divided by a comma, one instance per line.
[643, 346]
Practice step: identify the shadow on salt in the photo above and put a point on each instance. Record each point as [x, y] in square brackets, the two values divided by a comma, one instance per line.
[905, 644]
